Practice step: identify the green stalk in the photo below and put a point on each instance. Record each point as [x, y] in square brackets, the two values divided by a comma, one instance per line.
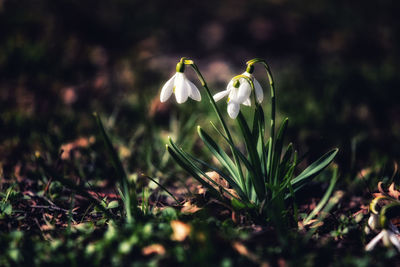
[228, 134]
[273, 109]
[129, 202]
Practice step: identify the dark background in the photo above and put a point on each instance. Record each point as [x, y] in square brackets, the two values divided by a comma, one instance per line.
[335, 64]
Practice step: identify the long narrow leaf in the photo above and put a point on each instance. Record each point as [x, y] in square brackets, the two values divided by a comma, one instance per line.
[121, 175]
[230, 181]
[314, 169]
[246, 187]
[284, 165]
[163, 188]
[192, 168]
[325, 198]
[257, 179]
[185, 165]
[262, 152]
[278, 150]
[219, 153]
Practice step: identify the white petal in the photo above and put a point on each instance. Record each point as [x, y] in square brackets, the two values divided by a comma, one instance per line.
[247, 102]
[220, 95]
[370, 246]
[194, 93]
[244, 91]
[167, 89]
[394, 240]
[259, 91]
[233, 109]
[230, 85]
[181, 88]
[233, 95]
[247, 74]
[373, 221]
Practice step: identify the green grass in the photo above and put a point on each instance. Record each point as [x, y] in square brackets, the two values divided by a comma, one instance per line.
[95, 204]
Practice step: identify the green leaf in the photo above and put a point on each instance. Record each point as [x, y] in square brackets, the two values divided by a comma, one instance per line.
[242, 157]
[278, 150]
[113, 204]
[314, 169]
[197, 173]
[219, 153]
[257, 179]
[6, 208]
[187, 166]
[237, 204]
[121, 175]
[325, 198]
[248, 186]
[230, 181]
[285, 163]
[262, 153]
[163, 188]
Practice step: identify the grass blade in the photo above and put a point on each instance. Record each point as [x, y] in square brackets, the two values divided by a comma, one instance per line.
[121, 175]
[257, 179]
[278, 150]
[219, 153]
[193, 169]
[162, 187]
[314, 169]
[325, 198]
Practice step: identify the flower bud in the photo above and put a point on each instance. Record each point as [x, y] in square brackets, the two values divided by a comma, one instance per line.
[180, 67]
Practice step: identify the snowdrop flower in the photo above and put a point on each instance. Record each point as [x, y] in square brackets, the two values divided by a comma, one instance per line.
[181, 86]
[388, 238]
[373, 221]
[238, 92]
[257, 88]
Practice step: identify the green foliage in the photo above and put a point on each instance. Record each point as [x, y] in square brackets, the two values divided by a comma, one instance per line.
[264, 178]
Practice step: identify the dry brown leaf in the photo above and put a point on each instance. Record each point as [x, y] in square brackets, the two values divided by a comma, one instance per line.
[393, 192]
[153, 249]
[180, 230]
[81, 142]
[188, 207]
[380, 189]
[242, 250]
[218, 179]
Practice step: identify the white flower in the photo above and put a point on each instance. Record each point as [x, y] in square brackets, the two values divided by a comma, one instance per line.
[257, 87]
[182, 87]
[238, 94]
[388, 238]
[373, 221]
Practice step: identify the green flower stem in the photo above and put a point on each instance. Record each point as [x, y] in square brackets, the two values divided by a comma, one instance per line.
[214, 105]
[273, 109]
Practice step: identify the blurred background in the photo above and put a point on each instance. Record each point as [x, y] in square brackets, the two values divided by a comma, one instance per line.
[336, 66]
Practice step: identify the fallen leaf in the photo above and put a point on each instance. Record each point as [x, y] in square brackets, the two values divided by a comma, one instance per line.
[81, 142]
[393, 192]
[242, 250]
[153, 249]
[188, 207]
[180, 230]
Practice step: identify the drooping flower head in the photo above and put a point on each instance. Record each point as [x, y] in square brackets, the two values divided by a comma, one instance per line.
[239, 91]
[257, 87]
[180, 86]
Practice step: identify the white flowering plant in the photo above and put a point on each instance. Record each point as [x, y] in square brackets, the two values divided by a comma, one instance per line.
[384, 208]
[262, 179]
